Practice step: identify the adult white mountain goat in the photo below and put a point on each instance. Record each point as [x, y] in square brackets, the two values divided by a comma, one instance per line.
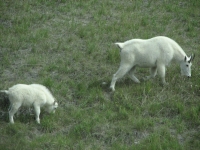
[30, 95]
[155, 53]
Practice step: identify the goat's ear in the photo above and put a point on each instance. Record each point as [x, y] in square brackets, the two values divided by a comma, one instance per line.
[55, 103]
[120, 45]
[185, 58]
[191, 58]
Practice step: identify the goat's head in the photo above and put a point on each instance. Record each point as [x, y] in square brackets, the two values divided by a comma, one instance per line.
[52, 108]
[186, 65]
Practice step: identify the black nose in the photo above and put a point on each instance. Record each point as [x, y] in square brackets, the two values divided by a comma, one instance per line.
[189, 77]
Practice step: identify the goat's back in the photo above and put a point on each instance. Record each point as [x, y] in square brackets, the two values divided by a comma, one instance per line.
[26, 95]
[146, 53]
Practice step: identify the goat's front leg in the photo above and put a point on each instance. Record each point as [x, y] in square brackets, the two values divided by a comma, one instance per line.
[161, 72]
[37, 113]
[153, 72]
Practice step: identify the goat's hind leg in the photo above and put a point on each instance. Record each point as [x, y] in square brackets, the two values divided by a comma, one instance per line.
[119, 74]
[14, 108]
[132, 76]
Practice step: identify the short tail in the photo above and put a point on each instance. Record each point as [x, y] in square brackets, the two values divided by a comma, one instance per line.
[120, 45]
[4, 91]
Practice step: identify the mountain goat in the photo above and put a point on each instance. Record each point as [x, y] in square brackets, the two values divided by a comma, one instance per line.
[28, 95]
[155, 53]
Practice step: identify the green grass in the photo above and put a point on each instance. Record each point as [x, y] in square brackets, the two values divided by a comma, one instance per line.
[68, 46]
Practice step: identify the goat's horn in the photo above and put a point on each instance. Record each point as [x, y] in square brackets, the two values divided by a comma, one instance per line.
[192, 57]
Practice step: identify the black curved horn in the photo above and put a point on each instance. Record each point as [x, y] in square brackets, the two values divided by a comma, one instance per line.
[192, 57]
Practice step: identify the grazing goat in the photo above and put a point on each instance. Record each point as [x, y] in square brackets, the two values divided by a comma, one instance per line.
[155, 53]
[28, 95]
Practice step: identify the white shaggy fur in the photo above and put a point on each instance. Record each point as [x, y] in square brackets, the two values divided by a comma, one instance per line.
[28, 95]
[155, 53]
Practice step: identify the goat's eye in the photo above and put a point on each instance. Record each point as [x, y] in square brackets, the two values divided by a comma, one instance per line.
[187, 65]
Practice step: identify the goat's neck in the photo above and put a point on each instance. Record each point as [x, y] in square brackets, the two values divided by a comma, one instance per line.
[179, 56]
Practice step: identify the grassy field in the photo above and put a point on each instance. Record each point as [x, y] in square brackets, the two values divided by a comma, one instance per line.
[67, 45]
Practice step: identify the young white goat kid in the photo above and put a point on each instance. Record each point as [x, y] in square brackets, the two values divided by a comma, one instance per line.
[155, 53]
[28, 95]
